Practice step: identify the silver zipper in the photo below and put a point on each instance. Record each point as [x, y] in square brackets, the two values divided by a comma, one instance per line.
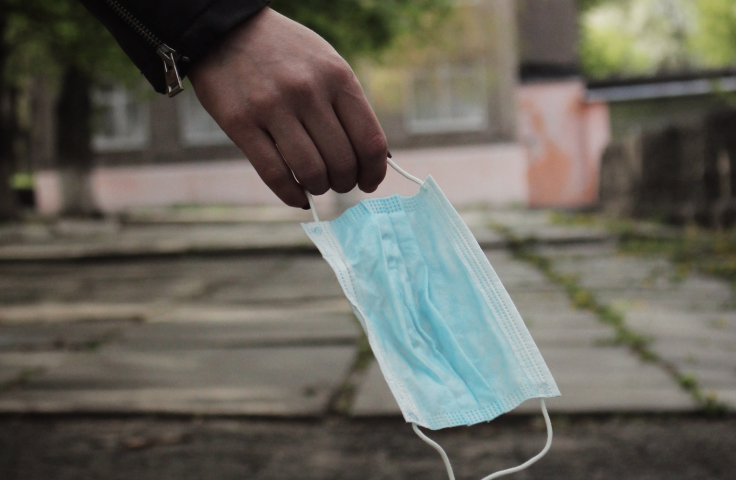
[168, 55]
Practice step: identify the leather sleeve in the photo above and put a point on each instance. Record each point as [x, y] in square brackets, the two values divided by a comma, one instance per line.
[191, 27]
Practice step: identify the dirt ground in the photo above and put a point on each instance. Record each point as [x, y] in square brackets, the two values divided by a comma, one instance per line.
[585, 448]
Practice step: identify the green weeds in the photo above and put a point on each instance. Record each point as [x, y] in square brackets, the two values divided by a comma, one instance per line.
[583, 299]
[690, 248]
[23, 377]
[343, 398]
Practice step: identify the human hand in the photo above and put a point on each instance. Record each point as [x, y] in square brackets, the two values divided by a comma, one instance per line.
[288, 100]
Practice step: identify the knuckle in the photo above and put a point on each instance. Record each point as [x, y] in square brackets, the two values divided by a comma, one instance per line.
[343, 174]
[314, 177]
[341, 71]
[304, 86]
[274, 177]
[344, 165]
[376, 146]
[265, 100]
[235, 119]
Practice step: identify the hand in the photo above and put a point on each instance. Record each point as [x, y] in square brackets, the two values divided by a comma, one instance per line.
[292, 104]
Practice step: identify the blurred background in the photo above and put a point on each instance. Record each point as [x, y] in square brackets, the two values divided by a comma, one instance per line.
[162, 316]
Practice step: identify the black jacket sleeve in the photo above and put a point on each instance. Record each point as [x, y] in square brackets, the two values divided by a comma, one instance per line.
[190, 27]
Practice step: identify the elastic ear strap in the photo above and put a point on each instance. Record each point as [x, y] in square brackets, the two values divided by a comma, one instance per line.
[534, 459]
[390, 162]
[437, 447]
[501, 473]
[404, 172]
[311, 205]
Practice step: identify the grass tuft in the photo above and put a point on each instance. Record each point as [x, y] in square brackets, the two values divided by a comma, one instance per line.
[583, 299]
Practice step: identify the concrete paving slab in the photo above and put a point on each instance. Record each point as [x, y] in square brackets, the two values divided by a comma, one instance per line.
[8, 374]
[537, 224]
[76, 312]
[514, 275]
[293, 328]
[253, 381]
[716, 325]
[685, 353]
[727, 396]
[215, 279]
[631, 282]
[164, 240]
[583, 336]
[39, 336]
[296, 278]
[185, 326]
[592, 380]
[374, 398]
[562, 321]
[712, 379]
[166, 312]
[541, 304]
[26, 365]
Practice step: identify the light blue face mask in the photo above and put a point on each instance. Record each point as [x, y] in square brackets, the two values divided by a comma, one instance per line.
[449, 340]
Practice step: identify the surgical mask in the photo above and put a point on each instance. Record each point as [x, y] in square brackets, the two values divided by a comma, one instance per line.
[445, 333]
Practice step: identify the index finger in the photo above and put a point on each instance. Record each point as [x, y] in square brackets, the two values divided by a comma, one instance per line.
[365, 134]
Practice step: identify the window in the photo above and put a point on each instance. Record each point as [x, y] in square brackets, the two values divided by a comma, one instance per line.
[197, 127]
[120, 120]
[448, 99]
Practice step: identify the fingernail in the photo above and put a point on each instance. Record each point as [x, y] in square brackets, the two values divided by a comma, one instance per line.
[305, 208]
[389, 154]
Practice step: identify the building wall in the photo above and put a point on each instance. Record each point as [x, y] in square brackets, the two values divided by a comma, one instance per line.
[564, 136]
[636, 115]
[548, 38]
[457, 90]
[469, 175]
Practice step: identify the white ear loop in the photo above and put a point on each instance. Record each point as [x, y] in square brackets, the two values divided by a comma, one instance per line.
[311, 205]
[404, 172]
[501, 473]
[390, 162]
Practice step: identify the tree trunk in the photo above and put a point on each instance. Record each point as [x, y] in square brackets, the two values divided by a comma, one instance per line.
[73, 144]
[8, 131]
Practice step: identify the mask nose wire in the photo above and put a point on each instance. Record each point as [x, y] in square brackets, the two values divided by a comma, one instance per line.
[501, 473]
[403, 172]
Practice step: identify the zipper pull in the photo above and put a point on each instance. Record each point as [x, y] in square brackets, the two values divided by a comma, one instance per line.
[171, 70]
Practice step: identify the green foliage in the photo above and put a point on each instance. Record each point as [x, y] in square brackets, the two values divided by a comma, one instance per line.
[645, 36]
[606, 50]
[46, 36]
[716, 38]
[360, 27]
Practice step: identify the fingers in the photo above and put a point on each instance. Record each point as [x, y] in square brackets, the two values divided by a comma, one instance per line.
[271, 167]
[365, 134]
[300, 153]
[334, 147]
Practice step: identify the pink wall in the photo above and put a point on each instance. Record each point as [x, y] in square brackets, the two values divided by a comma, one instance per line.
[564, 136]
[494, 174]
